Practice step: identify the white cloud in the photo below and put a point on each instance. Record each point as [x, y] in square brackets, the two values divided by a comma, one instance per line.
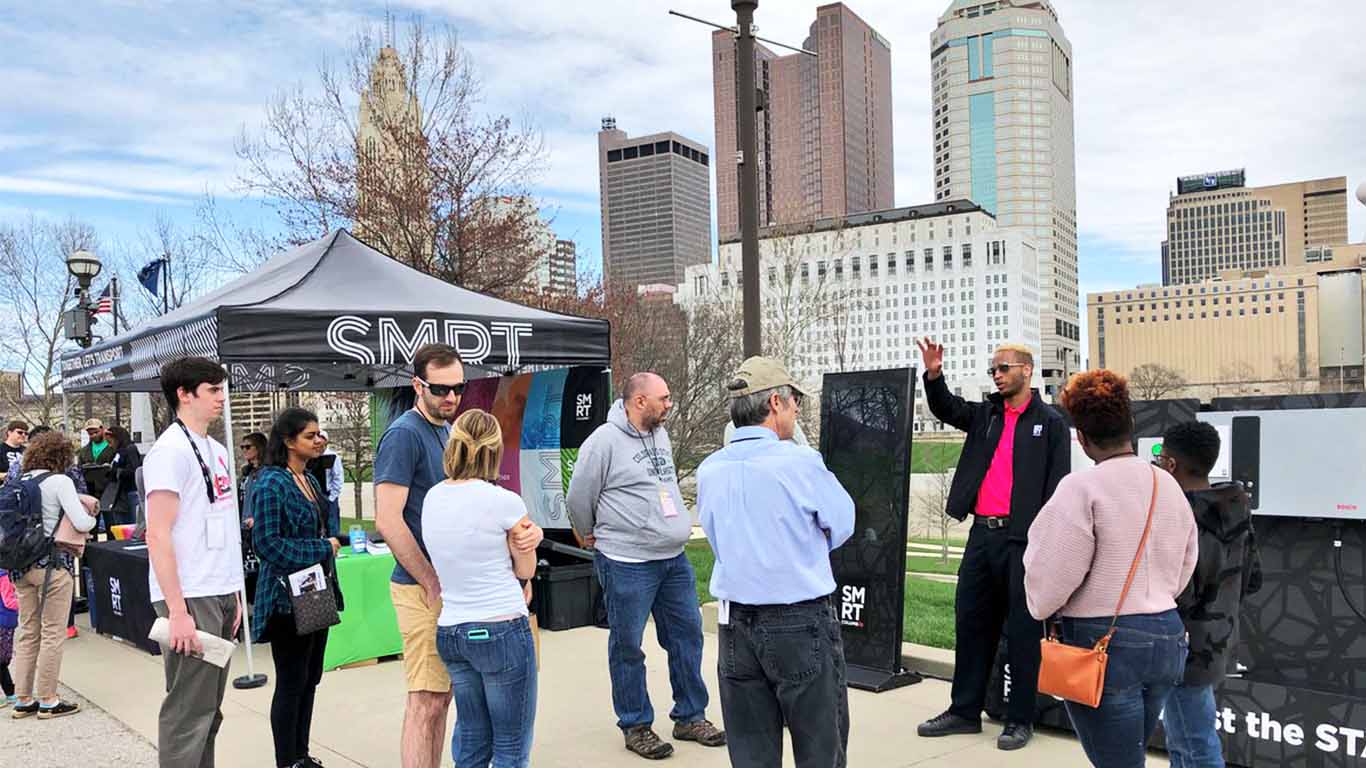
[138, 103]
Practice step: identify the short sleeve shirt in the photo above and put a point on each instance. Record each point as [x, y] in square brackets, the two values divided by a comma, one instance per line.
[10, 458]
[206, 536]
[466, 526]
[410, 455]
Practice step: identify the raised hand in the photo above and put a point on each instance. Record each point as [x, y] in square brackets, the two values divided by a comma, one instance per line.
[933, 356]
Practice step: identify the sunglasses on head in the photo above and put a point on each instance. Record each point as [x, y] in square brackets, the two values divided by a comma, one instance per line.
[441, 390]
[1003, 368]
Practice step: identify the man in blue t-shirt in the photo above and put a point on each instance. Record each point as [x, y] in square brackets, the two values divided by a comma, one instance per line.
[407, 464]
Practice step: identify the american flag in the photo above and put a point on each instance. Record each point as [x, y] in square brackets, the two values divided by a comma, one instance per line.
[106, 301]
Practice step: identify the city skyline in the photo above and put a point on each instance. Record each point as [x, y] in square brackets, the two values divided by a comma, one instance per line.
[118, 118]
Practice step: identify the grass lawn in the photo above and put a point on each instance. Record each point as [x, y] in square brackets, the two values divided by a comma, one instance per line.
[935, 456]
[928, 613]
[928, 604]
[931, 564]
[347, 522]
[960, 543]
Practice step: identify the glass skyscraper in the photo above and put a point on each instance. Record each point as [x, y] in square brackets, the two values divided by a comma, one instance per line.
[1001, 82]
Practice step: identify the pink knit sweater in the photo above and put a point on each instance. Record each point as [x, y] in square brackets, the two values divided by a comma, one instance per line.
[1083, 541]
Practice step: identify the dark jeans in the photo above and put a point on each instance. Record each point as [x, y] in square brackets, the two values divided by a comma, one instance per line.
[1147, 658]
[1192, 737]
[298, 670]
[783, 665]
[493, 675]
[990, 598]
[667, 590]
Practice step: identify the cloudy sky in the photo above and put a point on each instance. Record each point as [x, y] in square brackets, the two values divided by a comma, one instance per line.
[117, 112]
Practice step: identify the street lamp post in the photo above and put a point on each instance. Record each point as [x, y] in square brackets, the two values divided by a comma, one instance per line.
[85, 267]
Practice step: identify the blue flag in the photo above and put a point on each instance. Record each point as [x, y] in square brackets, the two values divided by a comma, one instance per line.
[150, 276]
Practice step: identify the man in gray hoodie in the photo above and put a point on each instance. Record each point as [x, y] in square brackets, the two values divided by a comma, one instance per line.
[624, 502]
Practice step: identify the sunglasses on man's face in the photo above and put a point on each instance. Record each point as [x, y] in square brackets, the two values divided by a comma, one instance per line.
[442, 390]
[1003, 368]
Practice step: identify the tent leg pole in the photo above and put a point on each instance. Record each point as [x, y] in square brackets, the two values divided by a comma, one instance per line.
[66, 420]
[251, 679]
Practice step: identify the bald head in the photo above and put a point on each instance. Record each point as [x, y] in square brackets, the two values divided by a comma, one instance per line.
[647, 400]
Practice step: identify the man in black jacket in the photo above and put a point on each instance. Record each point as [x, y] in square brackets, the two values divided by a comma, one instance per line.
[1003, 483]
[1229, 568]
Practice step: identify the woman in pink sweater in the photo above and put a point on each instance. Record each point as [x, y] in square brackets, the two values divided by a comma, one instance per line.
[1081, 547]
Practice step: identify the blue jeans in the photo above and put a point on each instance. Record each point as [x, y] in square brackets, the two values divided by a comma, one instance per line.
[1192, 736]
[493, 676]
[633, 592]
[1147, 660]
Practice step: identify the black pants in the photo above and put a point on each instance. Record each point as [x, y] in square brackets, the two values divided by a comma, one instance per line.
[6, 682]
[783, 665]
[991, 597]
[298, 670]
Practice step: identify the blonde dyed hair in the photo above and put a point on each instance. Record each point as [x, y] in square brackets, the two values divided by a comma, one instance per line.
[475, 450]
[1022, 353]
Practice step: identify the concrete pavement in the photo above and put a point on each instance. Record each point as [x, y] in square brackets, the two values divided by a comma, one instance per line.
[359, 713]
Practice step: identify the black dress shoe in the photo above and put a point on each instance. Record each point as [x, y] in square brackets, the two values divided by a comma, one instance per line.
[1015, 736]
[948, 724]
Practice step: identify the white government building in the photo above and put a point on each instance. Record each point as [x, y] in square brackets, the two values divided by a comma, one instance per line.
[857, 291]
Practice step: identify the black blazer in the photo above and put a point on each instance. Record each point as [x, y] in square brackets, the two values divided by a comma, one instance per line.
[1043, 452]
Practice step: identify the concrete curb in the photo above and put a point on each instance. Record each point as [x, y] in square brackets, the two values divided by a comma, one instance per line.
[930, 662]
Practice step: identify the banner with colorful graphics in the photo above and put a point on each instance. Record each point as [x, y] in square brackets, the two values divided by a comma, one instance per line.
[545, 417]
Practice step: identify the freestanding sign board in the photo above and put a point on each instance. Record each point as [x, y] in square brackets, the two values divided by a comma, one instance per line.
[866, 443]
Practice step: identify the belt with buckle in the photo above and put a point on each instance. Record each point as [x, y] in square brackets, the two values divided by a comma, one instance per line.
[993, 522]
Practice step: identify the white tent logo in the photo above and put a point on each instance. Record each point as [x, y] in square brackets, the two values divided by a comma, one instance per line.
[352, 336]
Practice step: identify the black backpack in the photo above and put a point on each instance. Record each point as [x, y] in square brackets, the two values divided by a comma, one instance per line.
[23, 542]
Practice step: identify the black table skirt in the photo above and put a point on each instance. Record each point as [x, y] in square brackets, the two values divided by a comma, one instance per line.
[120, 600]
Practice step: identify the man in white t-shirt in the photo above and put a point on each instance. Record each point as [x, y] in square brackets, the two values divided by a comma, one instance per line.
[195, 549]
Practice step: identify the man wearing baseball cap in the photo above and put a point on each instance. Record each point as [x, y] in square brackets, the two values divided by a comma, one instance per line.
[772, 512]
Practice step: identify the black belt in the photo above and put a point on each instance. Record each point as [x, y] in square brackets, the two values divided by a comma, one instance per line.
[993, 522]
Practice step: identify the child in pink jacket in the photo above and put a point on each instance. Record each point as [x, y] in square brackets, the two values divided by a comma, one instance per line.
[9, 619]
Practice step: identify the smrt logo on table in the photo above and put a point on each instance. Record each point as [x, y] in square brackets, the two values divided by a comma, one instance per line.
[853, 598]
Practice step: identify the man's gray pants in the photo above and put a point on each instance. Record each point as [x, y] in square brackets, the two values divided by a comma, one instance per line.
[193, 709]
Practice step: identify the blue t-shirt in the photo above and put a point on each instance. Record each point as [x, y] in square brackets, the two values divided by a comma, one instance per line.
[410, 455]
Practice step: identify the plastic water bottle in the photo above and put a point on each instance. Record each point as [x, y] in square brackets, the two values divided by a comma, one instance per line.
[357, 540]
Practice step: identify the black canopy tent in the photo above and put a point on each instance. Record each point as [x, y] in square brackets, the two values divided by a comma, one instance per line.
[328, 316]
[336, 315]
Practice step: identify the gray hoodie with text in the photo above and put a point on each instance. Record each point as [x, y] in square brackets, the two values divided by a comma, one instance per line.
[618, 489]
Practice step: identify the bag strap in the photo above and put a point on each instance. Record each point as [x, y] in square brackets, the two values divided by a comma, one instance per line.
[1133, 568]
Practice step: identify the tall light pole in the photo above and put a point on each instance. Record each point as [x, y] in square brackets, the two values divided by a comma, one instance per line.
[747, 157]
[747, 105]
[84, 266]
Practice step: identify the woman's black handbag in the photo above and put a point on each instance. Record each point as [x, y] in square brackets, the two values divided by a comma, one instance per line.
[319, 608]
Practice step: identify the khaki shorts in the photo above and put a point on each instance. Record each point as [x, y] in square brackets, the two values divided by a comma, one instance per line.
[417, 623]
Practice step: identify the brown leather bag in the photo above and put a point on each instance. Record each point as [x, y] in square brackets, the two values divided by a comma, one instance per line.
[1078, 674]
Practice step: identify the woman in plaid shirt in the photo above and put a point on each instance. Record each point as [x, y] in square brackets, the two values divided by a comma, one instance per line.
[290, 535]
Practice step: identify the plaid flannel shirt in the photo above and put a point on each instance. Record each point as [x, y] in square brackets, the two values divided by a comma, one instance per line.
[288, 537]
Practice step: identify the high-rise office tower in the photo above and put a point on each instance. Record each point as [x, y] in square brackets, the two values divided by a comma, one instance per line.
[656, 206]
[1001, 122]
[825, 133]
[1215, 223]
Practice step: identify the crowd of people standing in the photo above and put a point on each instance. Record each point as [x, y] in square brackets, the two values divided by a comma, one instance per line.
[1048, 544]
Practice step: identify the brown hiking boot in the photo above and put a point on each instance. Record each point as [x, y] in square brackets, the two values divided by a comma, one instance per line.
[700, 731]
[643, 741]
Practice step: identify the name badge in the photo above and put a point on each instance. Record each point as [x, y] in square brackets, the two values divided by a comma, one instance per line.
[1038, 430]
[666, 502]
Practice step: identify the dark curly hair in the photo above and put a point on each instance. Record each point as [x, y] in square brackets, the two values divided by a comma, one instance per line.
[1194, 444]
[1098, 402]
[50, 451]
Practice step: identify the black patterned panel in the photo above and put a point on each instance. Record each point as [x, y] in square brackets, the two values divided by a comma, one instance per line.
[866, 442]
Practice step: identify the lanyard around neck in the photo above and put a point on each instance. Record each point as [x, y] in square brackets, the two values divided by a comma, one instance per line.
[203, 468]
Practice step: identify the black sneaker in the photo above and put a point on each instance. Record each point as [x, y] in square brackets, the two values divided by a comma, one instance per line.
[1015, 736]
[60, 709]
[948, 724]
[22, 711]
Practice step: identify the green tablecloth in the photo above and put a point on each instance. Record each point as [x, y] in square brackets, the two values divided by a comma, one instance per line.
[369, 627]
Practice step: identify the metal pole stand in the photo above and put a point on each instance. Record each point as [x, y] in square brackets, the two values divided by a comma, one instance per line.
[252, 679]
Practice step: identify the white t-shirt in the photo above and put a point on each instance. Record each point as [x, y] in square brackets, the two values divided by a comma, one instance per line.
[465, 528]
[207, 537]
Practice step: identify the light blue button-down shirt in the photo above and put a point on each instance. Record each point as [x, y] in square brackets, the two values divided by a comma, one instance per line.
[772, 513]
